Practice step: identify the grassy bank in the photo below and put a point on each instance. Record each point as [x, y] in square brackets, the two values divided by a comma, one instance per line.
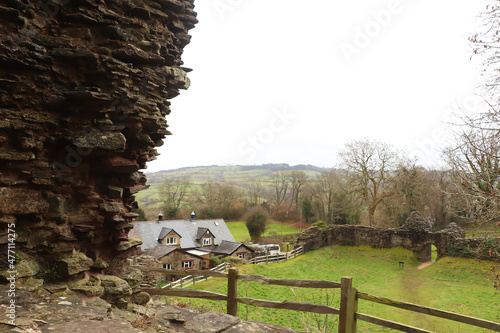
[453, 284]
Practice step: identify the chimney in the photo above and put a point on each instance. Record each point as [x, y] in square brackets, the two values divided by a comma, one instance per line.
[160, 217]
[193, 215]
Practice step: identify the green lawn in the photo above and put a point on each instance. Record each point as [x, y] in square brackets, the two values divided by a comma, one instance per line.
[240, 231]
[453, 284]
[489, 230]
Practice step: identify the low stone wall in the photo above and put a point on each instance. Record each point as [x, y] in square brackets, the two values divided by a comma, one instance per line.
[415, 235]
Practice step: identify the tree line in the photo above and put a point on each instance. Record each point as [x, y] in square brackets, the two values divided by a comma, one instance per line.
[375, 184]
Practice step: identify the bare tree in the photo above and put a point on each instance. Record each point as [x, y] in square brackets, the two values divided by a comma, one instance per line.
[485, 43]
[280, 182]
[255, 191]
[475, 165]
[221, 200]
[325, 191]
[297, 181]
[371, 166]
[173, 192]
[475, 157]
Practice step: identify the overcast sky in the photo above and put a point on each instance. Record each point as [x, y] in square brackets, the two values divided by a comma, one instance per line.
[288, 81]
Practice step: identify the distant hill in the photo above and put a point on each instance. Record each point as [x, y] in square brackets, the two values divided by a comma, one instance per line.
[150, 199]
[234, 173]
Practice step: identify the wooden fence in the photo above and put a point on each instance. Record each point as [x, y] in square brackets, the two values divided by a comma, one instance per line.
[277, 257]
[192, 279]
[349, 296]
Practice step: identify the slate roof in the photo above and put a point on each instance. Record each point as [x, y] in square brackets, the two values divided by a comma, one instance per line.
[164, 232]
[200, 233]
[188, 230]
[228, 248]
[160, 250]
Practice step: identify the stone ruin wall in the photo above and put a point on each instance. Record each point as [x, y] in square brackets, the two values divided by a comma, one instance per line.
[84, 90]
[415, 235]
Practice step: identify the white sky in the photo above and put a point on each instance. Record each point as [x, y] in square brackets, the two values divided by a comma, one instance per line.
[271, 84]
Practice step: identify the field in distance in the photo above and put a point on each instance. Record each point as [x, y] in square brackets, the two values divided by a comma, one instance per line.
[150, 199]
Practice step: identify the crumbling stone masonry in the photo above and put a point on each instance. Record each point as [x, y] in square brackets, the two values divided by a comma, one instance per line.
[415, 235]
[84, 91]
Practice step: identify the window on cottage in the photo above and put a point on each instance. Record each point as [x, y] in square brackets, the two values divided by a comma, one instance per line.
[207, 241]
[167, 266]
[187, 264]
[241, 255]
[171, 240]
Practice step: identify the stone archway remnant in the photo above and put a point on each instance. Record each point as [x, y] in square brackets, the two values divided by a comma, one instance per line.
[415, 235]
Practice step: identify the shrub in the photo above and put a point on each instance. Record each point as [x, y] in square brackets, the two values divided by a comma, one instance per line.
[320, 224]
[256, 222]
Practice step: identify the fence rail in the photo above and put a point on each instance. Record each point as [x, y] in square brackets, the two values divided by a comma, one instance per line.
[190, 276]
[277, 257]
[349, 296]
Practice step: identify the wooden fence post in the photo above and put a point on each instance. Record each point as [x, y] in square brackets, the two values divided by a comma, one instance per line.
[348, 306]
[232, 291]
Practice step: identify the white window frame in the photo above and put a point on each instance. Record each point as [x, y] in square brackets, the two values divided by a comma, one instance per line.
[171, 240]
[207, 241]
[167, 266]
[241, 255]
[187, 264]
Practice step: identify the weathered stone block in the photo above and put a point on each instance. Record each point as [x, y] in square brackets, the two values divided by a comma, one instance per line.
[75, 264]
[24, 268]
[30, 284]
[140, 298]
[115, 192]
[133, 276]
[103, 140]
[21, 201]
[211, 322]
[89, 290]
[111, 207]
[134, 241]
[100, 264]
[115, 286]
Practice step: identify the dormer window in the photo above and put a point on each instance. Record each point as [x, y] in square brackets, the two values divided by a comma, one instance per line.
[170, 240]
[207, 241]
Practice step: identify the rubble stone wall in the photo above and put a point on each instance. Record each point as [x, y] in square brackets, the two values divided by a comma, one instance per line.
[414, 235]
[84, 90]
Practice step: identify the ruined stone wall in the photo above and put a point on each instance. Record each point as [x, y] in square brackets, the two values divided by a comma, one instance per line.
[84, 91]
[415, 235]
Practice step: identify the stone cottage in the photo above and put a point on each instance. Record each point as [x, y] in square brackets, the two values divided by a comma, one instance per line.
[188, 244]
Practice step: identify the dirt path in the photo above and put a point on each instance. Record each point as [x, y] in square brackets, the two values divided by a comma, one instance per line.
[411, 282]
[425, 264]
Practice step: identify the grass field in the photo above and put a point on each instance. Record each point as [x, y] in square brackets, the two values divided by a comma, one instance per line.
[453, 284]
[240, 231]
